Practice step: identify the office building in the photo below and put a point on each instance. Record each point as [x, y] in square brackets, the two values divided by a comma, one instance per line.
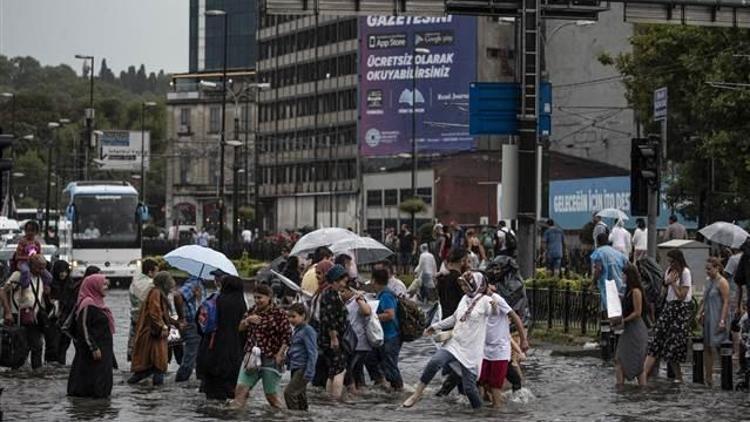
[207, 35]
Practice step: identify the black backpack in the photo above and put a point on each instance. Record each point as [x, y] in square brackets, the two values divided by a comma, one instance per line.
[13, 346]
[511, 243]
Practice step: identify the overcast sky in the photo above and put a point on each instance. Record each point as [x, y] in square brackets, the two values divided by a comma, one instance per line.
[126, 32]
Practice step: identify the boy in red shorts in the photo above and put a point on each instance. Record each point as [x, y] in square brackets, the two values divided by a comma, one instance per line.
[497, 347]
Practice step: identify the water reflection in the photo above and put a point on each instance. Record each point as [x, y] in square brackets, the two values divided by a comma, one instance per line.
[564, 389]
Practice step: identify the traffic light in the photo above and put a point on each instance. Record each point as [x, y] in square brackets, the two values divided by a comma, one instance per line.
[6, 143]
[645, 172]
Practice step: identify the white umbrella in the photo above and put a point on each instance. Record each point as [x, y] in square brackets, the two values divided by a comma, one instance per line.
[321, 237]
[613, 213]
[366, 249]
[290, 284]
[200, 261]
[724, 233]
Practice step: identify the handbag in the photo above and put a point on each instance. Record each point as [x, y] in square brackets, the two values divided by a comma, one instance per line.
[374, 331]
[443, 336]
[252, 361]
[174, 338]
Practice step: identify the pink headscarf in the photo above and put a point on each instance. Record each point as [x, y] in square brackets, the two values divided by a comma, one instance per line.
[92, 294]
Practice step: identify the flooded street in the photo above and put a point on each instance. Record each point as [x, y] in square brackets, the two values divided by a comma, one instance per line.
[564, 389]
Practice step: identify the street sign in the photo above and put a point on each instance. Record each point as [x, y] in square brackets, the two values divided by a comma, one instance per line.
[120, 150]
[494, 108]
[660, 103]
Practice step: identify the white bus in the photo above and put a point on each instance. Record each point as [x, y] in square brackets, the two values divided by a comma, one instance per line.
[102, 227]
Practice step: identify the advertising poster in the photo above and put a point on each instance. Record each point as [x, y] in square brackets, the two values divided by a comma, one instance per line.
[440, 103]
[120, 150]
[573, 202]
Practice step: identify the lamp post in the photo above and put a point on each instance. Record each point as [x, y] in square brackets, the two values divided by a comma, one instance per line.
[89, 115]
[52, 126]
[414, 162]
[144, 106]
[12, 97]
[223, 14]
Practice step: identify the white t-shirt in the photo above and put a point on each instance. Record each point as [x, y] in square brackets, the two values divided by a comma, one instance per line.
[247, 236]
[640, 239]
[685, 280]
[358, 323]
[468, 334]
[497, 340]
[24, 298]
[732, 264]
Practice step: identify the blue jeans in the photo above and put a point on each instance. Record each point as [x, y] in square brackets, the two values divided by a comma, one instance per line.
[391, 349]
[191, 342]
[443, 358]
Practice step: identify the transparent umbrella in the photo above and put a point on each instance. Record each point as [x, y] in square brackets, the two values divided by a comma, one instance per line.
[321, 237]
[613, 213]
[724, 233]
[200, 261]
[366, 249]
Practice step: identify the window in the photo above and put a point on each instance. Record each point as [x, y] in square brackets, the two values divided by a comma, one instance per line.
[391, 197]
[406, 194]
[185, 117]
[214, 120]
[425, 194]
[374, 198]
[375, 229]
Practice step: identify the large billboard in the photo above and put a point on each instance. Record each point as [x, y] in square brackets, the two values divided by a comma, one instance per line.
[440, 102]
[120, 150]
[573, 202]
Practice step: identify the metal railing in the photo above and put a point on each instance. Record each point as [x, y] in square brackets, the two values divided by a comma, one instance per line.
[573, 311]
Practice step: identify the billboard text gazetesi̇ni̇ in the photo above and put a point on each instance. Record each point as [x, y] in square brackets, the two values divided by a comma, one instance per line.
[386, 66]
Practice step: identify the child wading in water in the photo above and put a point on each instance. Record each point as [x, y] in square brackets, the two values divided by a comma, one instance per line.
[301, 358]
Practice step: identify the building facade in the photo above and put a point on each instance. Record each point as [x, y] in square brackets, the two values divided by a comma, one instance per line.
[591, 117]
[307, 142]
[194, 136]
[206, 43]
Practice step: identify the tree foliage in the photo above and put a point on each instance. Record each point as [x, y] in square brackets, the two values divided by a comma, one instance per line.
[708, 146]
[50, 93]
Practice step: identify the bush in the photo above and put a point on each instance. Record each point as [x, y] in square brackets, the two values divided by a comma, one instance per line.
[413, 206]
[542, 281]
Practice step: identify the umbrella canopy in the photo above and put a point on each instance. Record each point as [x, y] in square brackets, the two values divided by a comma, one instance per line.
[613, 213]
[366, 249]
[724, 233]
[290, 284]
[200, 261]
[321, 237]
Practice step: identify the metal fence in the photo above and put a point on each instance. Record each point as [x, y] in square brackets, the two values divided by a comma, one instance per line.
[574, 311]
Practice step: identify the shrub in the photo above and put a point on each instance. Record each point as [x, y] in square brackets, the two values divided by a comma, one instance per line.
[413, 206]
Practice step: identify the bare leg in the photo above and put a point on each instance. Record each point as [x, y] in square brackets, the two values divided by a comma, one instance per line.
[642, 379]
[708, 365]
[497, 398]
[335, 386]
[240, 396]
[619, 376]
[417, 396]
[647, 367]
[273, 400]
[677, 371]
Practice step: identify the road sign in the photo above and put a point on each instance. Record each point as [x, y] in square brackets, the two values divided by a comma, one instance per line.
[660, 103]
[494, 108]
[120, 150]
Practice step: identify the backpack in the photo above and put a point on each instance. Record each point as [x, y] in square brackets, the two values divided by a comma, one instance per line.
[511, 243]
[13, 346]
[208, 314]
[411, 320]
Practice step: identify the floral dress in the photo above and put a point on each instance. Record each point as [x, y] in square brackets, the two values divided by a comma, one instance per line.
[333, 317]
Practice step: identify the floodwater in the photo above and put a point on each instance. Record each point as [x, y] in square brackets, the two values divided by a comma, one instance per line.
[559, 389]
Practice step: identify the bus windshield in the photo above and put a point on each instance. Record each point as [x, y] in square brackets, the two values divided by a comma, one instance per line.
[105, 221]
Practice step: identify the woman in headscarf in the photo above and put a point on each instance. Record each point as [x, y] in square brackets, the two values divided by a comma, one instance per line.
[55, 342]
[466, 345]
[150, 351]
[91, 372]
[220, 353]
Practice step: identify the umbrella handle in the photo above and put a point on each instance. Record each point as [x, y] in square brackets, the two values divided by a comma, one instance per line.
[200, 274]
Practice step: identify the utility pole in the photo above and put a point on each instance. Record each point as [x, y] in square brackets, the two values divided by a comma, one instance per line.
[528, 136]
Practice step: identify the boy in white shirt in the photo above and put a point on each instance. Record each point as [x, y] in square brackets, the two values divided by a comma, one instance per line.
[497, 346]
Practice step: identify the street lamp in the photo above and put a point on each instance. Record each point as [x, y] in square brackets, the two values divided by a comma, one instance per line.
[223, 15]
[51, 126]
[89, 113]
[419, 51]
[144, 106]
[12, 97]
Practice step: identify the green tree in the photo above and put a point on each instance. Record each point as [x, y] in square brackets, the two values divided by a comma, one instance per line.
[708, 146]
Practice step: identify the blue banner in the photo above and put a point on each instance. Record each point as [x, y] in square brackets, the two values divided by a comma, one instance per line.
[443, 52]
[573, 202]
